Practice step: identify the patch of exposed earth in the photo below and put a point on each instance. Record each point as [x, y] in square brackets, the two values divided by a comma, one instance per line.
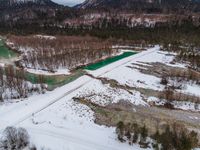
[154, 118]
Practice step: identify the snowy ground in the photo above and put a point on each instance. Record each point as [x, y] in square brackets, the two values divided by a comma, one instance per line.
[133, 77]
[69, 126]
[183, 105]
[125, 74]
[42, 72]
[55, 121]
[2, 64]
[103, 95]
[191, 89]
[46, 37]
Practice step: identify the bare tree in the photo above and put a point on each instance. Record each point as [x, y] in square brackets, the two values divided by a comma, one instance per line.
[14, 139]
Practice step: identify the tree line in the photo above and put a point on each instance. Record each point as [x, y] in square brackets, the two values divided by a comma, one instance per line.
[191, 55]
[172, 137]
[169, 32]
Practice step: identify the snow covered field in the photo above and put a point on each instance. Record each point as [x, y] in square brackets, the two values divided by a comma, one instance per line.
[133, 77]
[56, 122]
[69, 126]
[103, 95]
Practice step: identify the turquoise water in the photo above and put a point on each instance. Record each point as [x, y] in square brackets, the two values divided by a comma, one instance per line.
[107, 61]
[5, 52]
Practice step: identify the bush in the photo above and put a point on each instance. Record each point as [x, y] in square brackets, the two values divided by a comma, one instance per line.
[15, 139]
[120, 131]
[168, 105]
[164, 81]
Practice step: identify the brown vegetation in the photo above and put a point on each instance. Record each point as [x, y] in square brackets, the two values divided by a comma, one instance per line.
[187, 53]
[146, 123]
[13, 84]
[63, 51]
[173, 137]
[170, 95]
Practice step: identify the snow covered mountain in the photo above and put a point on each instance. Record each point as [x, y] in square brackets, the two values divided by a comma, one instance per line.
[4, 4]
[108, 3]
[89, 3]
[28, 11]
[147, 5]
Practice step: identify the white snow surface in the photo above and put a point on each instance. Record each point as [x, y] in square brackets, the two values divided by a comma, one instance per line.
[2, 64]
[46, 37]
[133, 77]
[69, 126]
[192, 89]
[42, 72]
[103, 95]
[186, 106]
[183, 105]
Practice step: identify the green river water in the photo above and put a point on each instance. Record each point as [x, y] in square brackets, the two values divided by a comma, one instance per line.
[107, 61]
[5, 52]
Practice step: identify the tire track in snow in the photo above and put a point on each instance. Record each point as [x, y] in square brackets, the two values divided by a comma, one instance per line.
[73, 139]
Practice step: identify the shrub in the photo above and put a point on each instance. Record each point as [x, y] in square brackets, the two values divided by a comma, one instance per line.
[168, 105]
[178, 139]
[164, 81]
[15, 139]
[120, 131]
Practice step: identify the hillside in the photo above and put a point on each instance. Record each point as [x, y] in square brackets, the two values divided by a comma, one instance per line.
[142, 5]
[47, 16]
[15, 4]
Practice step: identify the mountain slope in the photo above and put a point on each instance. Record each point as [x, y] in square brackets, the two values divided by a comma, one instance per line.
[7, 4]
[31, 12]
[141, 5]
